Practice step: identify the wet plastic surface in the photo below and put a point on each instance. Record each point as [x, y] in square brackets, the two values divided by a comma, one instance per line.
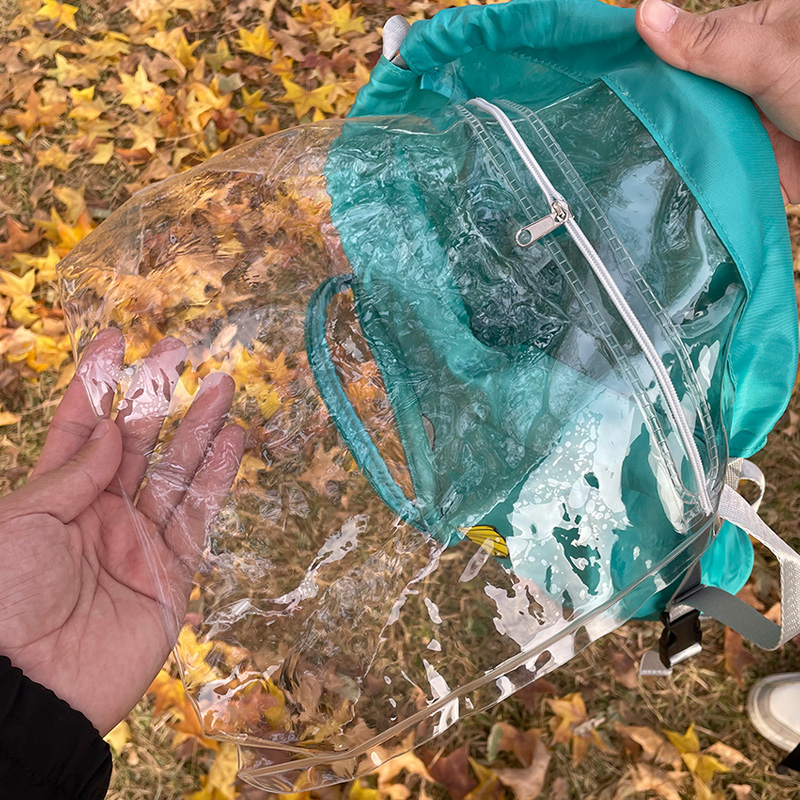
[526, 489]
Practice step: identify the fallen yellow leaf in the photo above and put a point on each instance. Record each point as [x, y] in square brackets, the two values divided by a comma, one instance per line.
[72, 72]
[304, 100]
[108, 49]
[358, 791]
[175, 44]
[39, 112]
[702, 766]
[193, 655]
[220, 783]
[684, 743]
[119, 736]
[19, 289]
[55, 157]
[61, 14]
[138, 91]
[252, 104]
[103, 153]
[37, 46]
[257, 41]
[45, 265]
[572, 724]
[74, 200]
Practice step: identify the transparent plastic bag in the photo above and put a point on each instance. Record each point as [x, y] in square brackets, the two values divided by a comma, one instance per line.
[460, 469]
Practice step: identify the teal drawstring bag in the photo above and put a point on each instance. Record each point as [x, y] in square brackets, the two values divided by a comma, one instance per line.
[503, 341]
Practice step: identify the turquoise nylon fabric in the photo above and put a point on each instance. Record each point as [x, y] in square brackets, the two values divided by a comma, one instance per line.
[711, 134]
[715, 141]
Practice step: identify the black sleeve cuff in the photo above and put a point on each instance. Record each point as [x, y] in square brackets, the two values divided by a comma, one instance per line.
[48, 751]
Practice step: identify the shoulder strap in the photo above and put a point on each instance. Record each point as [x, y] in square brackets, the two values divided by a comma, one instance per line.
[682, 636]
[737, 614]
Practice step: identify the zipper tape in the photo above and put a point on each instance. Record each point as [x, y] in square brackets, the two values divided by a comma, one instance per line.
[624, 363]
[598, 267]
[606, 231]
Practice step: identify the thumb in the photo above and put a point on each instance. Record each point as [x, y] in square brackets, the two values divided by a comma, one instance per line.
[67, 491]
[730, 46]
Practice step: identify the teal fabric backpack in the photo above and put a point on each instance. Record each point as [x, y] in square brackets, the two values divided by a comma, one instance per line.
[503, 340]
[576, 81]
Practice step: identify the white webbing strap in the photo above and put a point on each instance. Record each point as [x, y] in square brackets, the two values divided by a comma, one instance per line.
[732, 611]
[740, 469]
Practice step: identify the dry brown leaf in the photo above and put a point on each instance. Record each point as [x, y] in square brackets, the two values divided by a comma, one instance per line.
[156, 170]
[506, 738]
[741, 791]
[655, 747]
[40, 190]
[792, 424]
[323, 470]
[560, 789]
[728, 755]
[625, 668]
[18, 240]
[527, 783]
[531, 695]
[453, 772]
[774, 613]
[646, 778]
[748, 594]
[737, 657]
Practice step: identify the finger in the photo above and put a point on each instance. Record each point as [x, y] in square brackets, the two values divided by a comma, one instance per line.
[168, 482]
[143, 409]
[787, 154]
[69, 489]
[87, 400]
[187, 529]
[730, 45]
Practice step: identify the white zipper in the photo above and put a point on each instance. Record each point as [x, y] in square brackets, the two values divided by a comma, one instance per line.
[561, 214]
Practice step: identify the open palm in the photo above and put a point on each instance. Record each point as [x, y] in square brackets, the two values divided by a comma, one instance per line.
[97, 564]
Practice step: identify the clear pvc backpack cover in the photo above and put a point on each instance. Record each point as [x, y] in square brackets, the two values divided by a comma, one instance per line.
[460, 468]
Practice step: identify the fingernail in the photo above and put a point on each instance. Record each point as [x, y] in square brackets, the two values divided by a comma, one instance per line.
[101, 430]
[658, 15]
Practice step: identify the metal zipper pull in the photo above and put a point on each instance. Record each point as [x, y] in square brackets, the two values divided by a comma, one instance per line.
[529, 234]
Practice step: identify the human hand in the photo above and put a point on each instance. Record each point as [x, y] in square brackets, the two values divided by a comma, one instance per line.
[80, 610]
[754, 48]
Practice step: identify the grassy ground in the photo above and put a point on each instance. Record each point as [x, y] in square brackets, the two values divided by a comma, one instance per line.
[701, 692]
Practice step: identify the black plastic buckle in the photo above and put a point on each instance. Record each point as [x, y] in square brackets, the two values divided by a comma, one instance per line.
[791, 763]
[681, 638]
